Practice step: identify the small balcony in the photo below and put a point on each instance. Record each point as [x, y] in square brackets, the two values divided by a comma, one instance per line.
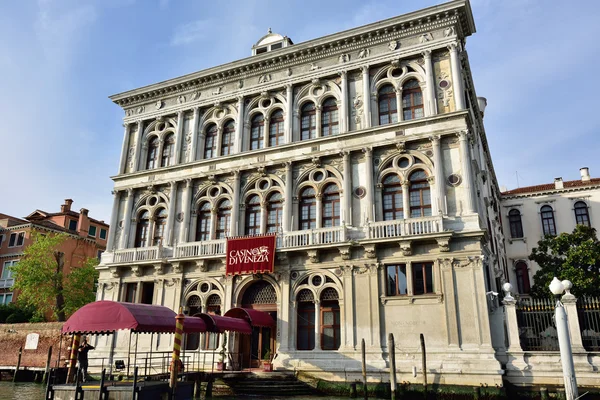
[404, 227]
[6, 283]
[138, 254]
[201, 249]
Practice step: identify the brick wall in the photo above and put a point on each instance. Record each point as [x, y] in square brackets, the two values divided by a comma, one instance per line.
[13, 336]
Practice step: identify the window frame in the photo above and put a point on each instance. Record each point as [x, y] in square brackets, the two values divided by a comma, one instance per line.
[325, 307]
[388, 98]
[71, 221]
[332, 127]
[3, 297]
[152, 155]
[211, 136]
[548, 221]
[311, 115]
[103, 233]
[142, 230]
[332, 199]
[227, 138]
[424, 267]
[223, 215]
[167, 155]
[515, 223]
[203, 215]
[6, 267]
[397, 292]
[95, 231]
[586, 216]
[160, 227]
[420, 190]
[311, 203]
[253, 211]
[523, 284]
[394, 190]
[257, 125]
[276, 128]
[409, 93]
[274, 208]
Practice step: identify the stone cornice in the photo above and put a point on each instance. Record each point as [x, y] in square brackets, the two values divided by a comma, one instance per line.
[452, 13]
[504, 197]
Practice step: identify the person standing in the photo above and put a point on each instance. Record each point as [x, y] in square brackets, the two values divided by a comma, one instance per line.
[82, 357]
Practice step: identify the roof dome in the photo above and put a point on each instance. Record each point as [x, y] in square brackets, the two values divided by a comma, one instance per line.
[269, 38]
[271, 41]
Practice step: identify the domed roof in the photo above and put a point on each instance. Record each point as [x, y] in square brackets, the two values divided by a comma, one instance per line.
[270, 37]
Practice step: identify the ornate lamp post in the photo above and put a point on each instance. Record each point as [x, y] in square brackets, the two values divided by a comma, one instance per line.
[564, 340]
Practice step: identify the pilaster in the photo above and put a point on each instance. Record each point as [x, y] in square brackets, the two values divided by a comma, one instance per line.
[127, 220]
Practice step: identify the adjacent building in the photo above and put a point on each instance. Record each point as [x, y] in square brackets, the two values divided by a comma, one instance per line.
[86, 237]
[366, 154]
[532, 212]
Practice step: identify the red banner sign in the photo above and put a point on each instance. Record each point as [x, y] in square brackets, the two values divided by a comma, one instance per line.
[250, 255]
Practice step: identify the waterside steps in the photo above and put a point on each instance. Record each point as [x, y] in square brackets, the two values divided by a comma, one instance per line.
[262, 383]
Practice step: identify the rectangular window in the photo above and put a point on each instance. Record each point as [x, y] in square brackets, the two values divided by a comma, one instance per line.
[72, 225]
[306, 326]
[130, 292]
[92, 231]
[13, 240]
[1, 240]
[6, 270]
[422, 278]
[20, 239]
[102, 233]
[147, 292]
[6, 298]
[396, 280]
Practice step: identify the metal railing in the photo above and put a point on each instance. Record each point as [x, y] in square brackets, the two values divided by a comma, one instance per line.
[588, 310]
[537, 330]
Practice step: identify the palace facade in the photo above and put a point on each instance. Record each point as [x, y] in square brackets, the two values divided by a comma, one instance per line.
[365, 153]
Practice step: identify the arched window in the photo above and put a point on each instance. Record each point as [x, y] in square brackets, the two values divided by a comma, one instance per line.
[516, 226]
[141, 234]
[582, 216]
[210, 142]
[305, 316]
[227, 139]
[274, 212]
[330, 123]
[419, 195]
[276, 127]
[330, 319]
[223, 219]
[257, 132]
[213, 306]
[253, 215]
[548, 225]
[522, 277]
[388, 109]
[152, 158]
[308, 125]
[168, 152]
[160, 222]
[393, 207]
[203, 222]
[194, 305]
[412, 100]
[308, 209]
[331, 206]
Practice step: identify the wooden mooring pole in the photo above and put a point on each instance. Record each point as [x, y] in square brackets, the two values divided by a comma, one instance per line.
[101, 391]
[424, 363]
[47, 364]
[392, 355]
[364, 368]
[18, 364]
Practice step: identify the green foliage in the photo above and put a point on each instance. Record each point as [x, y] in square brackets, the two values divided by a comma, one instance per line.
[13, 313]
[573, 256]
[79, 286]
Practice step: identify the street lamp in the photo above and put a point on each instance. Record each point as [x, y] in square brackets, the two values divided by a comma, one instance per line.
[564, 340]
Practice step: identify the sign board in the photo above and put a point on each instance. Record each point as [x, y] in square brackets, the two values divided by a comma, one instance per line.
[250, 255]
[31, 342]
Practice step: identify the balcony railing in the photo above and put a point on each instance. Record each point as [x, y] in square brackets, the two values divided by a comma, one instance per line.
[138, 254]
[199, 249]
[312, 237]
[404, 227]
[6, 283]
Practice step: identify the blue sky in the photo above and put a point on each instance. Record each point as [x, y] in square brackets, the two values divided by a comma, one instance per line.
[61, 59]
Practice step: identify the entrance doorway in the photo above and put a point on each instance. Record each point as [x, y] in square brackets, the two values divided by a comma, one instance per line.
[261, 345]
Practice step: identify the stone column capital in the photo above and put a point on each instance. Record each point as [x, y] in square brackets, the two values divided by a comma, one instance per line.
[435, 139]
[426, 53]
[453, 47]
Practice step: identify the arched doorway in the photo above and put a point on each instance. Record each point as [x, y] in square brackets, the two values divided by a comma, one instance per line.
[260, 295]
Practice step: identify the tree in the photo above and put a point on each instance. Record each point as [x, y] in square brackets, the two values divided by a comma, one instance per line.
[41, 283]
[573, 256]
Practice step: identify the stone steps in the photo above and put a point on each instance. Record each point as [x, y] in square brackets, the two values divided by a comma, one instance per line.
[280, 384]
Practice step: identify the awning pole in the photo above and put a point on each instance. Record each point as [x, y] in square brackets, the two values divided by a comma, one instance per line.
[151, 344]
[128, 354]
[111, 355]
[135, 352]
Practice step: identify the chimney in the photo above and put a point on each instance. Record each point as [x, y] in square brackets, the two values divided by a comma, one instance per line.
[83, 225]
[67, 206]
[558, 183]
[482, 103]
[585, 174]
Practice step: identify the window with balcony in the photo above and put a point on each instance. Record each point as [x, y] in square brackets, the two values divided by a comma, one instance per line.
[257, 132]
[210, 142]
[308, 124]
[223, 219]
[227, 139]
[397, 284]
[274, 212]
[276, 128]
[330, 123]
[393, 207]
[419, 195]
[548, 225]
[305, 317]
[388, 108]
[308, 209]
[582, 216]
[253, 213]
[168, 151]
[160, 223]
[330, 319]
[143, 225]
[331, 206]
[412, 100]
[203, 222]
[516, 225]
[522, 274]
[422, 278]
[152, 155]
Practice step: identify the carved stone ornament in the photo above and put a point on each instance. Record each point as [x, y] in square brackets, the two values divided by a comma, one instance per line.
[159, 269]
[136, 270]
[314, 67]
[344, 252]
[264, 78]
[444, 244]
[202, 265]
[195, 95]
[449, 31]
[426, 37]
[140, 109]
[370, 250]
[347, 270]
[158, 104]
[289, 72]
[178, 267]
[393, 45]
[217, 91]
[114, 272]
[364, 53]
[240, 84]
[313, 256]
[406, 248]
[343, 58]
[181, 99]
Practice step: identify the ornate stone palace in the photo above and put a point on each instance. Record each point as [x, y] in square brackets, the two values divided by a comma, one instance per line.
[365, 153]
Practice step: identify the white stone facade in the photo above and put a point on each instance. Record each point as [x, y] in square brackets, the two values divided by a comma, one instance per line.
[433, 158]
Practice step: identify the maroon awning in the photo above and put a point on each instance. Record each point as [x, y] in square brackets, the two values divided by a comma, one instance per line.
[219, 324]
[109, 316]
[254, 317]
[193, 325]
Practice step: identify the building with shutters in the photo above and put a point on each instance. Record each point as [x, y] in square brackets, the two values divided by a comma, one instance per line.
[365, 153]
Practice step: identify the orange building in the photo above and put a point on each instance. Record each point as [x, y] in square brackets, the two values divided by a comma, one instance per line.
[86, 238]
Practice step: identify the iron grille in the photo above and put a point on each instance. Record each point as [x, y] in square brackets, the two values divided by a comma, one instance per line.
[537, 330]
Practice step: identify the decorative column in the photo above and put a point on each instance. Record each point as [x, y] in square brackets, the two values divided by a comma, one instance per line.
[287, 203]
[369, 183]
[398, 92]
[114, 221]
[318, 120]
[138, 146]
[570, 304]
[347, 188]
[367, 95]
[187, 205]
[406, 199]
[285, 310]
[124, 150]
[432, 101]
[459, 98]
[348, 309]
[319, 198]
[127, 220]
[438, 168]
[289, 118]
[171, 215]
[512, 325]
[179, 137]
[239, 127]
[213, 223]
[235, 207]
[194, 142]
[465, 161]
[344, 108]
[317, 325]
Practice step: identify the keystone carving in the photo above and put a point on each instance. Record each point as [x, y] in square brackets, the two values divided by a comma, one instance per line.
[406, 248]
[313, 256]
[370, 250]
[136, 270]
[344, 252]
[444, 244]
